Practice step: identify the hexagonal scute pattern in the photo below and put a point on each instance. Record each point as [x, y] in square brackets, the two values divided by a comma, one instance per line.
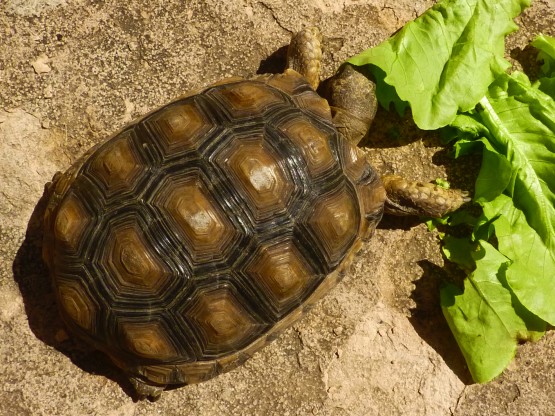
[314, 104]
[76, 304]
[196, 217]
[149, 340]
[335, 222]
[246, 99]
[313, 143]
[291, 82]
[117, 164]
[71, 223]
[192, 238]
[281, 273]
[221, 320]
[353, 160]
[133, 264]
[179, 127]
[255, 170]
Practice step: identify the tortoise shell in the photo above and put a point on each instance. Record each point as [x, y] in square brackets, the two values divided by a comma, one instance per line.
[195, 235]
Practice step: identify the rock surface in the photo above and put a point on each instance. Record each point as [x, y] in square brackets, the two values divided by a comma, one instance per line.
[78, 70]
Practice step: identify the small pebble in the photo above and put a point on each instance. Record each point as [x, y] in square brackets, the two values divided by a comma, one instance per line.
[48, 91]
[40, 65]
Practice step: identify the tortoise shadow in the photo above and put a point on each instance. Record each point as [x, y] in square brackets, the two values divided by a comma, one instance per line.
[428, 321]
[394, 222]
[274, 63]
[32, 277]
[427, 317]
[390, 129]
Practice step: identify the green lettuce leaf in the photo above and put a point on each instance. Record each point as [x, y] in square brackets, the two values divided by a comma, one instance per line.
[520, 120]
[546, 46]
[484, 318]
[515, 124]
[445, 60]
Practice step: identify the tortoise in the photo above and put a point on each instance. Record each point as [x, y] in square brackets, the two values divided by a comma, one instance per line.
[196, 234]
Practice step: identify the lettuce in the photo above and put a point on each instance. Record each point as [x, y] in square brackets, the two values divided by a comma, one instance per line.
[515, 122]
[520, 120]
[485, 318]
[448, 66]
[445, 60]
[546, 46]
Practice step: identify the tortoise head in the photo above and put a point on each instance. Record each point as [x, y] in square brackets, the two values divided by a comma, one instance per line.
[352, 98]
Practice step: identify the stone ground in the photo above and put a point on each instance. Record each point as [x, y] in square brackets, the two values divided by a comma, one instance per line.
[72, 71]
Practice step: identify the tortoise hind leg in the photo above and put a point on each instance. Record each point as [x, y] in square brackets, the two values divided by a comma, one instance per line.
[406, 197]
[146, 391]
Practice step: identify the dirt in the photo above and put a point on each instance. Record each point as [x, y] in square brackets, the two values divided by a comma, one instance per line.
[73, 71]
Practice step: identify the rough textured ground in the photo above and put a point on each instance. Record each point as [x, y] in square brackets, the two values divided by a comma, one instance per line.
[72, 71]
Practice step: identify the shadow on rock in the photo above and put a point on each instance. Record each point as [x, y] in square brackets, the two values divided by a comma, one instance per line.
[390, 130]
[275, 63]
[429, 322]
[527, 57]
[462, 172]
[31, 275]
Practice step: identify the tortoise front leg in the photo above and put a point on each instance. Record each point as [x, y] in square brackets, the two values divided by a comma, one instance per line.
[305, 54]
[405, 197]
